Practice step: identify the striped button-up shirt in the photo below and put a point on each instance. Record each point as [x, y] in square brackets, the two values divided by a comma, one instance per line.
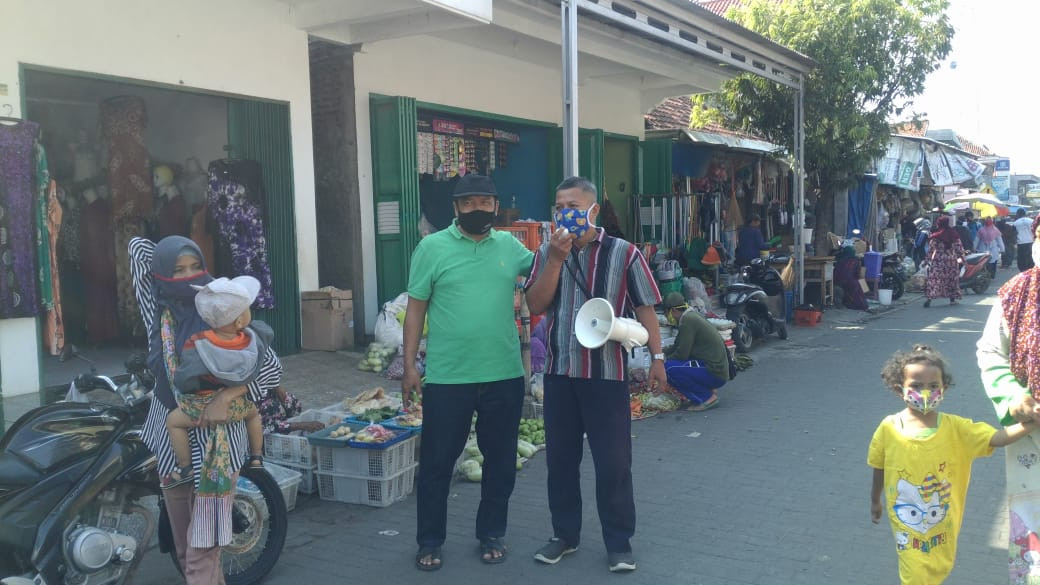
[608, 268]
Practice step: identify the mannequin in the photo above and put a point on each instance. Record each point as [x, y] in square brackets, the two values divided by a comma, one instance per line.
[172, 210]
[193, 183]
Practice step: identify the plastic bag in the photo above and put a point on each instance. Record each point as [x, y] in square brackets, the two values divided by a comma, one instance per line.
[389, 331]
[693, 288]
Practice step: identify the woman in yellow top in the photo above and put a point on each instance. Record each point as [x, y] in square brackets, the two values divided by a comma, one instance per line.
[922, 465]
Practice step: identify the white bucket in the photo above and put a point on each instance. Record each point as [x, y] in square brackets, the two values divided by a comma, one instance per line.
[807, 235]
[884, 296]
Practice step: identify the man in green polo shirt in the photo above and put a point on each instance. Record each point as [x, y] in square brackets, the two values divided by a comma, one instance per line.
[463, 279]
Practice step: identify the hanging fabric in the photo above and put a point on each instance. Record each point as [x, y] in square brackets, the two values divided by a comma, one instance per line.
[54, 328]
[43, 242]
[235, 204]
[98, 259]
[18, 277]
[122, 125]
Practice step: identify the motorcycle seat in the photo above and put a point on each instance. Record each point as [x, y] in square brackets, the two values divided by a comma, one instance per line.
[16, 473]
[976, 257]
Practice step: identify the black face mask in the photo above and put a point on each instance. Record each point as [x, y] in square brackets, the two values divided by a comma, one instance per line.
[476, 222]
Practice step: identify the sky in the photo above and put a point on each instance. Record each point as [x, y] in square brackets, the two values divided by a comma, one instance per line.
[987, 89]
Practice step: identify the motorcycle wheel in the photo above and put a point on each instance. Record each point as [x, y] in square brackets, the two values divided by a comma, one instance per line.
[742, 335]
[893, 282]
[259, 532]
[981, 283]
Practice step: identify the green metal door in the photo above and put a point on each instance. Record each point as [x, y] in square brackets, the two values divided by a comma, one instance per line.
[260, 131]
[395, 191]
[590, 158]
[655, 167]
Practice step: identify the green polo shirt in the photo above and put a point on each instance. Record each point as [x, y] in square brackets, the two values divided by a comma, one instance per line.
[469, 286]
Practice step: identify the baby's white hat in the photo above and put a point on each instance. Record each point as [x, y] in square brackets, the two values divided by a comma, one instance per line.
[221, 301]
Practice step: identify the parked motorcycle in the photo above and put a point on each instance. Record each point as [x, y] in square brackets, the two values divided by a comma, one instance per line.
[974, 275]
[80, 498]
[893, 274]
[746, 304]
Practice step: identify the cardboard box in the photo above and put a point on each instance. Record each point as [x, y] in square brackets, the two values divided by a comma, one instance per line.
[328, 319]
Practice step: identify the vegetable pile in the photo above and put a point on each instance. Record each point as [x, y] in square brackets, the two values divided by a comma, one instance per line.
[532, 430]
[473, 460]
[377, 358]
[743, 362]
[377, 415]
[374, 434]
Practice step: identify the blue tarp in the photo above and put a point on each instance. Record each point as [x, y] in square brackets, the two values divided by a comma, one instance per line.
[861, 201]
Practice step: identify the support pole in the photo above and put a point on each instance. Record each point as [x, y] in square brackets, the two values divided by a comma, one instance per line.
[799, 189]
[569, 13]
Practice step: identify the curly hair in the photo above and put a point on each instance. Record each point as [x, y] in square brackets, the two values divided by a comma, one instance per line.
[893, 372]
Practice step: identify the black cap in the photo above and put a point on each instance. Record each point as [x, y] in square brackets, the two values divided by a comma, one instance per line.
[474, 185]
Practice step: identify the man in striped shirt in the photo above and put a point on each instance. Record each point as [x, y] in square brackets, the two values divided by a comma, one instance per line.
[586, 390]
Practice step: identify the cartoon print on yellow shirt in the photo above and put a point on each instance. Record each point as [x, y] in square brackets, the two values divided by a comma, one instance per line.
[919, 508]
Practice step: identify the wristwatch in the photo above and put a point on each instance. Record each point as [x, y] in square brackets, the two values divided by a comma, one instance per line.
[658, 357]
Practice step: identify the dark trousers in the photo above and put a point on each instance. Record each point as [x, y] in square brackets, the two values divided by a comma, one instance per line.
[1025, 256]
[693, 380]
[600, 410]
[447, 415]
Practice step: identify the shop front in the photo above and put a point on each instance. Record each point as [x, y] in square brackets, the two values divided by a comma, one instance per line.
[192, 127]
[429, 107]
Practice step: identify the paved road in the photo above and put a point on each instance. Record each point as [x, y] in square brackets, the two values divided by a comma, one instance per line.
[771, 488]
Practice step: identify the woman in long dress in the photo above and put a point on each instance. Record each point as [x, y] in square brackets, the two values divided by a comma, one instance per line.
[944, 263]
[162, 284]
[1009, 359]
[989, 239]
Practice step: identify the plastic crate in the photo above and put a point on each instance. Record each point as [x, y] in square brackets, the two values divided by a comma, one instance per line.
[533, 410]
[308, 481]
[365, 490]
[288, 479]
[296, 449]
[377, 463]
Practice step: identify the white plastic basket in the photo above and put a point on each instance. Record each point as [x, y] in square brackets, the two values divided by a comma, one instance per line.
[376, 463]
[366, 490]
[288, 480]
[308, 482]
[294, 449]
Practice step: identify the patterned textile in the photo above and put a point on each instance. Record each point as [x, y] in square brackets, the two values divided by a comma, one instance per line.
[18, 277]
[215, 481]
[126, 229]
[122, 125]
[240, 222]
[43, 241]
[609, 268]
[69, 236]
[54, 328]
[944, 272]
[1020, 299]
[275, 412]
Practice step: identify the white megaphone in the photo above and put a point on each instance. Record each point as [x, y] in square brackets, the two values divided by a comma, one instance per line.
[596, 325]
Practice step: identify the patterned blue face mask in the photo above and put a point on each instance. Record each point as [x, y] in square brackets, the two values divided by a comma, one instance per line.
[575, 221]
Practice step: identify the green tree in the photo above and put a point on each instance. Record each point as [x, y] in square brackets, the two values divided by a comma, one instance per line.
[873, 57]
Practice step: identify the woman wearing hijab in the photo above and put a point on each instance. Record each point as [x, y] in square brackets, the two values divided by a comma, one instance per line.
[846, 275]
[1007, 356]
[163, 275]
[944, 263]
[989, 239]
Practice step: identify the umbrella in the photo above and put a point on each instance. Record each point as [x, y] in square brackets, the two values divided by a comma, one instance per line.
[983, 209]
[977, 198]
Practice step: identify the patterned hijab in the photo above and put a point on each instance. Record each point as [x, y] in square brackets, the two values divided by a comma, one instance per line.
[173, 295]
[1020, 300]
[945, 234]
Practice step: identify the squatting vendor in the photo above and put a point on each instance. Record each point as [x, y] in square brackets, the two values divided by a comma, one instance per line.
[697, 363]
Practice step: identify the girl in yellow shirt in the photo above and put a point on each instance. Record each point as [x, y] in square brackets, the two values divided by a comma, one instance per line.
[922, 465]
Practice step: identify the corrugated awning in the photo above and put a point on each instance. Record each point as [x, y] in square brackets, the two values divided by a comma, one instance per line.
[728, 141]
